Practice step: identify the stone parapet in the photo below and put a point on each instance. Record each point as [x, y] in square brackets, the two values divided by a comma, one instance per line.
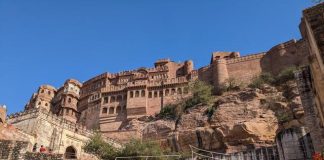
[246, 58]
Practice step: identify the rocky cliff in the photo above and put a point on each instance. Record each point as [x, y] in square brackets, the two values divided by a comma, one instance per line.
[244, 119]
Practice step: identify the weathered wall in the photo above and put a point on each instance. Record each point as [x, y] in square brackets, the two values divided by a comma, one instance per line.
[51, 131]
[245, 68]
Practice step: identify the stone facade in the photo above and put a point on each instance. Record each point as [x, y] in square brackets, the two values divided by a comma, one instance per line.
[109, 100]
[52, 131]
[312, 30]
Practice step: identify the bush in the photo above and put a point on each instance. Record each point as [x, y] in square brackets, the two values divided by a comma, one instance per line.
[201, 94]
[231, 84]
[285, 75]
[97, 146]
[139, 148]
[263, 78]
[168, 112]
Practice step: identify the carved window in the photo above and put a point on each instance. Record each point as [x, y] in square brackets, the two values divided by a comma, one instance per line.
[46, 104]
[111, 110]
[179, 91]
[39, 103]
[105, 99]
[42, 91]
[173, 91]
[49, 92]
[112, 99]
[155, 94]
[167, 92]
[104, 110]
[119, 98]
[150, 95]
[69, 100]
[131, 94]
[137, 94]
[143, 93]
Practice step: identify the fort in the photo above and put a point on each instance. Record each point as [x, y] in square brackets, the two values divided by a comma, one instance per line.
[107, 101]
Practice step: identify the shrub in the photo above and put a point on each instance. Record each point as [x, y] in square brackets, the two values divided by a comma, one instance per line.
[97, 146]
[168, 112]
[283, 117]
[263, 78]
[139, 148]
[231, 84]
[201, 93]
[285, 75]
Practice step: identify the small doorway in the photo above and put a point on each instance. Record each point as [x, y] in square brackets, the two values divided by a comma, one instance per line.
[70, 153]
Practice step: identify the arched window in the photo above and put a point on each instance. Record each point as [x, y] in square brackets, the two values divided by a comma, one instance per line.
[179, 91]
[69, 100]
[136, 93]
[112, 99]
[143, 93]
[118, 109]
[46, 104]
[111, 110]
[155, 94]
[131, 94]
[167, 92]
[173, 91]
[42, 91]
[150, 95]
[104, 111]
[105, 100]
[49, 92]
[119, 98]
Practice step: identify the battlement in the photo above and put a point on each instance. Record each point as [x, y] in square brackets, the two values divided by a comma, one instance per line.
[246, 58]
[103, 75]
[284, 45]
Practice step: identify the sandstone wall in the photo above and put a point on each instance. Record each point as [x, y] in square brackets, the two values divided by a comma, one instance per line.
[245, 68]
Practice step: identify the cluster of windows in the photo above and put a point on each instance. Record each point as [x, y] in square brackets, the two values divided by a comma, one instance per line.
[40, 103]
[113, 99]
[136, 94]
[159, 76]
[48, 92]
[155, 94]
[113, 110]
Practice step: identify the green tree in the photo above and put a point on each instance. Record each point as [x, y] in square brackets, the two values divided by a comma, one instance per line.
[201, 94]
[141, 148]
[97, 146]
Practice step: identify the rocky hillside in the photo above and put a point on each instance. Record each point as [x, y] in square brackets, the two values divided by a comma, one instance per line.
[240, 120]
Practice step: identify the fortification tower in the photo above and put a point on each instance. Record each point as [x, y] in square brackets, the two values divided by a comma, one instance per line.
[68, 99]
[3, 113]
[219, 66]
[189, 66]
[42, 99]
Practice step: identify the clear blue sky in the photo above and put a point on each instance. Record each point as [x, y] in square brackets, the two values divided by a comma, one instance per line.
[49, 41]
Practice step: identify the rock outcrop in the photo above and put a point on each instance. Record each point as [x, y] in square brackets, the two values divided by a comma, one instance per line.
[242, 120]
